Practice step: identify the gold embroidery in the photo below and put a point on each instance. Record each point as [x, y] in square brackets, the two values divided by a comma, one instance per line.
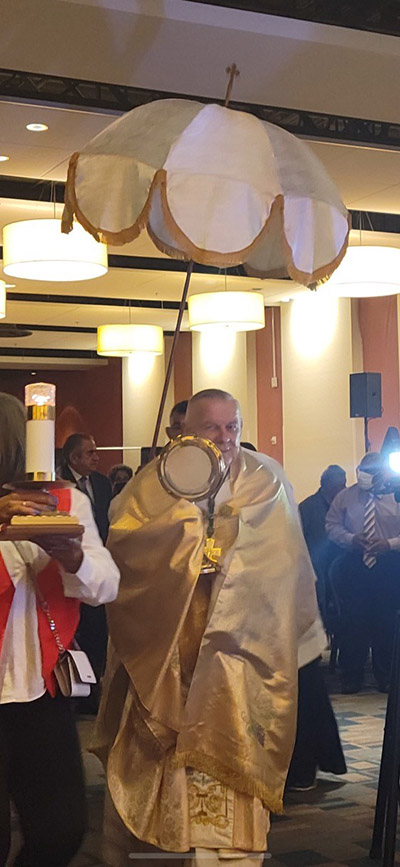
[208, 801]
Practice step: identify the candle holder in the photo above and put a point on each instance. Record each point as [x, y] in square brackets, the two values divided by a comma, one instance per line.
[40, 401]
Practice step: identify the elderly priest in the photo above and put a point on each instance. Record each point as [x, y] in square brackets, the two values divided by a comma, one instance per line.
[198, 716]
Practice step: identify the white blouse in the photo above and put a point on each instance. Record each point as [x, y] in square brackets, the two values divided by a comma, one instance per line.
[95, 583]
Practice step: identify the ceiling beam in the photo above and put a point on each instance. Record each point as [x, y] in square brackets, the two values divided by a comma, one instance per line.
[31, 87]
[376, 16]
[21, 351]
[37, 190]
[87, 300]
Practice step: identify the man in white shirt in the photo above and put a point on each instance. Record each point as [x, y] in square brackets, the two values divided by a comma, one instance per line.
[365, 522]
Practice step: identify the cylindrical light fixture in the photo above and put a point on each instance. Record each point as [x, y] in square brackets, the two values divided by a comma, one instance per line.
[40, 401]
[367, 271]
[37, 250]
[240, 311]
[123, 340]
[2, 299]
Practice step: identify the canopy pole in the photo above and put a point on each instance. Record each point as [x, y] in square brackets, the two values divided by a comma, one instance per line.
[233, 72]
[171, 359]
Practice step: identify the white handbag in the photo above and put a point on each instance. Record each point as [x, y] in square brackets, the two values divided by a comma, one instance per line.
[74, 674]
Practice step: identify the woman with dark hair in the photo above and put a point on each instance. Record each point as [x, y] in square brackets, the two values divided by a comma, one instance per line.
[119, 476]
[40, 762]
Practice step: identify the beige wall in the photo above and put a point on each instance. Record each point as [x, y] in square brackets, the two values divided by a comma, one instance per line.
[221, 360]
[317, 358]
[142, 382]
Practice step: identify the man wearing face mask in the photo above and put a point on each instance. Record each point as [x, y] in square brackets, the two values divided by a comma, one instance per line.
[366, 523]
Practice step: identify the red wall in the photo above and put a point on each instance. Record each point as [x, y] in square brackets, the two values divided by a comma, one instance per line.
[88, 401]
[269, 400]
[379, 333]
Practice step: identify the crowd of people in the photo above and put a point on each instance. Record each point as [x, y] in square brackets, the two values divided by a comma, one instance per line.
[210, 700]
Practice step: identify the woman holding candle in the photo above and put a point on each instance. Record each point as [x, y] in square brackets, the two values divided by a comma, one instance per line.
[40, 763]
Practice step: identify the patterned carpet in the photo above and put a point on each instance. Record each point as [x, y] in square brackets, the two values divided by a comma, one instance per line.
[330, 826]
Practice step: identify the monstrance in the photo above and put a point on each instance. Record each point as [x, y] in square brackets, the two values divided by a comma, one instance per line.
[193, 468]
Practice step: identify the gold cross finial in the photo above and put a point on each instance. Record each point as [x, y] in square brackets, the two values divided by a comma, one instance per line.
[211, 552]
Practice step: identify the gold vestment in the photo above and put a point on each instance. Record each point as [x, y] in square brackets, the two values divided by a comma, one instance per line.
[203, 677]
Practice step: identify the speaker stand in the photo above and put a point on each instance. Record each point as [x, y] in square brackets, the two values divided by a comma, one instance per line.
[366, 440]
[385, 825]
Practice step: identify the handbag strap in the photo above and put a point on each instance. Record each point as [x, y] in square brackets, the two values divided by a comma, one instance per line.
[42, 601]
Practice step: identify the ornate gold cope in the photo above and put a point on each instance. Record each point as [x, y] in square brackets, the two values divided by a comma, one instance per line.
[202, 672]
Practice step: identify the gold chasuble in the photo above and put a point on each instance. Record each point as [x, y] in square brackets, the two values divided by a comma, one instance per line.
[198, 714]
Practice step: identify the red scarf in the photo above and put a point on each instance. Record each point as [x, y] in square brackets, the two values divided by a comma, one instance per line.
[64, 611]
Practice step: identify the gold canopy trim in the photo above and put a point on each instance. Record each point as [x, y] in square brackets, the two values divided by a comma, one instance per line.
[185, 248]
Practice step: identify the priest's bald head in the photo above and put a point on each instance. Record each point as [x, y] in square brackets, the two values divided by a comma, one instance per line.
[215, 415]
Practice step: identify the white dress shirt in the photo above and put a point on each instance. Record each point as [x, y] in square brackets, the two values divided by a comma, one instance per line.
[78, 477]
[95, 583]
[345, 518]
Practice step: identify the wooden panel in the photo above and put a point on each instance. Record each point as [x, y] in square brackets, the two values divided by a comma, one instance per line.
[379, 334]
[88, 401]
[183, 380]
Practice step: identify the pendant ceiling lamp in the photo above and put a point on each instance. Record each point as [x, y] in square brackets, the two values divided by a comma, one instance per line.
[120, 341]
[2, 299]
[37, 250]
[239, 311]
[367, 271]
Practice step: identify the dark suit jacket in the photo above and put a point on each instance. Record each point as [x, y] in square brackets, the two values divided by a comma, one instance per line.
[101, 487]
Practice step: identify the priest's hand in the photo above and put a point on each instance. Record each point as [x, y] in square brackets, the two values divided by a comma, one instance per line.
[67, 551]
[25, 503]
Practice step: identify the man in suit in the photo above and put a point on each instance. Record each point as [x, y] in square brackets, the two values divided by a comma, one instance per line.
[79, 466]
[176, 419]
[313, 512]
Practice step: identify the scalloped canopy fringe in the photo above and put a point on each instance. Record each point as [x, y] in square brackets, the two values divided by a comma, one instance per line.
[183, 248]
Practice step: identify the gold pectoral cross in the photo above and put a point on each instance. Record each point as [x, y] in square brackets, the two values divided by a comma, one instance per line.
[211, 552]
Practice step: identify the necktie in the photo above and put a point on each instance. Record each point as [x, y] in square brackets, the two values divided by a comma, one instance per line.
[369, 529]
[82, 485]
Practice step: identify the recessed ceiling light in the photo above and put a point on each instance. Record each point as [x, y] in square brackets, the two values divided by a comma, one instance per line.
[36, 127]
[3, 158]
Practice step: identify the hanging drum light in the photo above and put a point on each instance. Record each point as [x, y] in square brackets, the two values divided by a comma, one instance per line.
[122, 340]
[239, 311]
[2, 299]
[366, 272]
[37, 250]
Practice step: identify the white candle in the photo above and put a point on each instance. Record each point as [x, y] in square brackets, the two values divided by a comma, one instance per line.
[40, 400]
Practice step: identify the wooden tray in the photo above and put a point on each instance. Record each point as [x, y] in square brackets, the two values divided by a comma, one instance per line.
[19, 533]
